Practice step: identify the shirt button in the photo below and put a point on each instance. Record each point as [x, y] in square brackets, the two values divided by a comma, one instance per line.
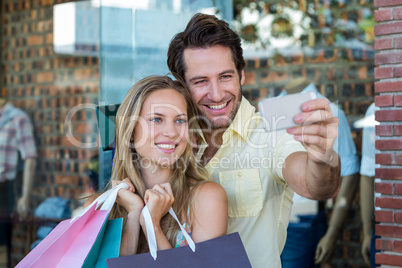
[239, 174]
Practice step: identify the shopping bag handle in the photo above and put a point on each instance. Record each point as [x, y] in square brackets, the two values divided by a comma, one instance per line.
[151, 232]
[108, 199]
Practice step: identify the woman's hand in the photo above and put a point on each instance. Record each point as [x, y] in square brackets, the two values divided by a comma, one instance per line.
[159, 200]
[127, 198]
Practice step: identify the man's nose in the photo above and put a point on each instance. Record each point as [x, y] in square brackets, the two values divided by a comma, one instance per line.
[215, 93]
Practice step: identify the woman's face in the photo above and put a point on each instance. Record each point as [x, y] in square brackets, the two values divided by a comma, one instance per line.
[161, 133]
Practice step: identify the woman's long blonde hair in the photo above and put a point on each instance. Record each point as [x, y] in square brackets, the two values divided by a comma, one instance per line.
[187, 172]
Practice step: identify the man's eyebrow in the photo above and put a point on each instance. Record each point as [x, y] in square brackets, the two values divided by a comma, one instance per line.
[231, 71]
[197, 77]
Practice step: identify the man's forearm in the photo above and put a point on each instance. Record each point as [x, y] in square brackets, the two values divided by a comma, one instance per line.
[323, 179]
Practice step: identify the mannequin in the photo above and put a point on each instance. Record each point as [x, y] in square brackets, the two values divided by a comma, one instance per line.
[367, 214]
[367, 194]
[318, 252]
[16, 138]
[343, 201]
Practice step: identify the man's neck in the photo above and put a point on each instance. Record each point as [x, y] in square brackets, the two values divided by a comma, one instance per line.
[214, 139]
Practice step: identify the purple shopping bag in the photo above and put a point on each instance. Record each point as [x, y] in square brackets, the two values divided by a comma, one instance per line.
[224, 251]
[69, 244]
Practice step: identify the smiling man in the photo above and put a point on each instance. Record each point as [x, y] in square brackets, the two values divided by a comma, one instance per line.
[258, 169]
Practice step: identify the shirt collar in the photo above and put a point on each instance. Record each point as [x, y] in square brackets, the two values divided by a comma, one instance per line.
[241, 121]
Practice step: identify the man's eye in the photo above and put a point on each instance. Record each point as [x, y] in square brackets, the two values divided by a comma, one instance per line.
[226, 76]
[199, 82]
[156, 119]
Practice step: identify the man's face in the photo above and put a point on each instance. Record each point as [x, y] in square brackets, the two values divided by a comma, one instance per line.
[214, 83]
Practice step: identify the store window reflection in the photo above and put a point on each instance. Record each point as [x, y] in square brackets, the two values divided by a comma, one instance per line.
[57, 55]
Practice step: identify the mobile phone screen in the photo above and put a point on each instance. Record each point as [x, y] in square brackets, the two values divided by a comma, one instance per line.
[279, 112]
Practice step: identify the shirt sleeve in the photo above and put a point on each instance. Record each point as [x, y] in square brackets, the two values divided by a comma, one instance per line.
[284, 146]
[25, 137]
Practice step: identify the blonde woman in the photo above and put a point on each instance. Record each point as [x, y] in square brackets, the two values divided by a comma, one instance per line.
[154, 157]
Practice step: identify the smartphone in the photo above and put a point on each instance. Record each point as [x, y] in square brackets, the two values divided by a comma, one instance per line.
[279, 112]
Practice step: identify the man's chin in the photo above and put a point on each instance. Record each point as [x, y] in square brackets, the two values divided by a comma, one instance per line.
[220, 125]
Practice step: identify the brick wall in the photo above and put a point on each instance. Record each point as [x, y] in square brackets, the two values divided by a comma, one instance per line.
[47, 85]
[388, 89]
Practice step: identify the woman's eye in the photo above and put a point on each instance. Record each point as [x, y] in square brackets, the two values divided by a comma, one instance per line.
[181, 121]
[156, 119]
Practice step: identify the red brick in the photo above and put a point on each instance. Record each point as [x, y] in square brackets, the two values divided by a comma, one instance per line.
[250, 78]
[388, 259]
[398, 100]
[397, 14]
[44, 77]
[384, 216]
[388, 173]
[385, 72]
[80, 74]
[398, 42]
[384, 188]
[398, 246]
[66, 179]
[389, 231]
[35, 40]
[389, 202]
[398, 188]
[384, 100]
[398, 72]
[397, 130]
[384, 244]
[398, 217]
[387, 3]
[49, 38]
[388, 58]
[82, 128]
[398, 159]
[388, 115]
[389, 28]
[393, 86]
[65, 142]
[383, 159]
[383, 14]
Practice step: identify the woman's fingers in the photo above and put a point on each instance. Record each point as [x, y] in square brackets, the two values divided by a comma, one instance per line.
[131, 187]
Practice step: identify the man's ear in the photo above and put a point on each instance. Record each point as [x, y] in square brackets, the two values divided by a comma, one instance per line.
[243, 77]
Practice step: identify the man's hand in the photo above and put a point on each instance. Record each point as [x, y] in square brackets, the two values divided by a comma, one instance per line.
[315, 174]
[318, 131]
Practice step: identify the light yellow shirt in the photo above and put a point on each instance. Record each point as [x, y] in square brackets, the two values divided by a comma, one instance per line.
[249, 166]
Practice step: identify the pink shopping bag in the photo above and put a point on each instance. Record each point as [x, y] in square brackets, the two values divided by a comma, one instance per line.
[69, 244]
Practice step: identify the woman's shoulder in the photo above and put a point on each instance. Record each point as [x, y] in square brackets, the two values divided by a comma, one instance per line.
[210, 191]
